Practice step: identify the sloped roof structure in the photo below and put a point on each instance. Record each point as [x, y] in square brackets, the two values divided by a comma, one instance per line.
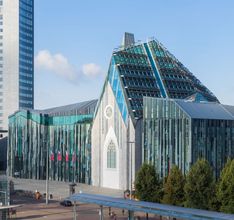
[230, 109]
[149, 69]
[86, 107]
[205, 110]
[81, 108]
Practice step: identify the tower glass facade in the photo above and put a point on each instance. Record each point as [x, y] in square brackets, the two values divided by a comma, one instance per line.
[26, 45]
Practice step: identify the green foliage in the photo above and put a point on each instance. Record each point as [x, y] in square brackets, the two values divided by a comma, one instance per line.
[214, 202]
[174, 187]
[225, 189]
[147, 184]
[200, 186]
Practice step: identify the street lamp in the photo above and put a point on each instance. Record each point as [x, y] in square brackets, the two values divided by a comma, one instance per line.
[47, 171]
[130, 147]
[47, 175]
[4, 192]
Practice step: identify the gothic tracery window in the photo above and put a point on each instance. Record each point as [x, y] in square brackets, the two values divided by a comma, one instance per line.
[111, 155]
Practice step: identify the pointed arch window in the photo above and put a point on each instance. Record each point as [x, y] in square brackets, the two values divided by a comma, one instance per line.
[111, 155]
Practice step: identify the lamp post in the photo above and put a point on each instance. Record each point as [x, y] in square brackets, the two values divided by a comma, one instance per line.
[47, 175]
[4, 192]
[47, 171]
[130, 148]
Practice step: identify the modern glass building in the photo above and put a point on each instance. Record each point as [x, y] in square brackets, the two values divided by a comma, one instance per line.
[178, 132]
[16, 57]
[107, 146]
[65, 132]
[136, 70]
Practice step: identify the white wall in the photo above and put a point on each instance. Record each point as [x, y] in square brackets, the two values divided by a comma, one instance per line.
[10, 59]
[105, 129]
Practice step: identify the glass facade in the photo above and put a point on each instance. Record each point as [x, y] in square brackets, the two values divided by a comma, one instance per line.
[149, 69]
[115, 83]
[172, 135]
[66, 135]
[136, 77]
[3, 191]
[176, 78]
[4, 196]
[26, 52]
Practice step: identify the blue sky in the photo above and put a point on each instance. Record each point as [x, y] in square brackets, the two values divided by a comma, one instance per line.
[74, 41]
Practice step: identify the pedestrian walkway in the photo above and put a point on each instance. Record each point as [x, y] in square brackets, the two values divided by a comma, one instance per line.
[60, 190]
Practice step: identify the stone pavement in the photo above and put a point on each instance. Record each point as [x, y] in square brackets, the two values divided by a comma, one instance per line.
[60, 190]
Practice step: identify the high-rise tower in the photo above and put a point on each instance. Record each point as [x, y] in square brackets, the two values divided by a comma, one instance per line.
[16, 57]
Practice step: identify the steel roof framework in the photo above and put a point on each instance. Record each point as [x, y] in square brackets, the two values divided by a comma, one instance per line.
[147, 207]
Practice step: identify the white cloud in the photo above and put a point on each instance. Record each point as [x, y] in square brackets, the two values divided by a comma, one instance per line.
[91, 70]
[59, 64]
[56, 63]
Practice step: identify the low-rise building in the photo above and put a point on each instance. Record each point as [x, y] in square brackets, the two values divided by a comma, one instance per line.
[62, 133]
[178, 132]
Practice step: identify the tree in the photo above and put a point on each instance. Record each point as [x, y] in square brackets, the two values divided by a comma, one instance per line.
[225, 188]
[174, 187]
[214, 202]
[200, 186]
[147, 184]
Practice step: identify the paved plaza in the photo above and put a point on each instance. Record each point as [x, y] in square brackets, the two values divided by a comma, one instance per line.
[37, 209]
[60, 190]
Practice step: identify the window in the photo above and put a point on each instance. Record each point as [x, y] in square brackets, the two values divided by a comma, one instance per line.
[111, 155]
